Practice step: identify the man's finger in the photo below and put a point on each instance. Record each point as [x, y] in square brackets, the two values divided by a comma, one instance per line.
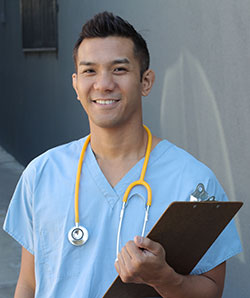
[117, 267]
[150, 245]
[133, 249]
[125, 255]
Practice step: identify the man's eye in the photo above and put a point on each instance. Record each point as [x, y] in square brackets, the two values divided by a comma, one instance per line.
[120, 69]
[88, 71]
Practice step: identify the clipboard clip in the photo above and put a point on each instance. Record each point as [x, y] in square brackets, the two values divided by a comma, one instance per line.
[200, 195]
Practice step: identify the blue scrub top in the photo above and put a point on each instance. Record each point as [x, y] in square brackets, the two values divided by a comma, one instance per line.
[41, 213]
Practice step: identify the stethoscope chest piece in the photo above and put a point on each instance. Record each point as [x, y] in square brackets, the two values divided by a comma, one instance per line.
[78, 235]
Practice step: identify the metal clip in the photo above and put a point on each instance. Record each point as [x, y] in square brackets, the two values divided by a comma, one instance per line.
[200, 194]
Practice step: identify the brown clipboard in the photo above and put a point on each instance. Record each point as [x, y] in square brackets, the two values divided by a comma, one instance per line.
[186, 230]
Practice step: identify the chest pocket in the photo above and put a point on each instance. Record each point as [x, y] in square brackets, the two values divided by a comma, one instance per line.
[57, 256]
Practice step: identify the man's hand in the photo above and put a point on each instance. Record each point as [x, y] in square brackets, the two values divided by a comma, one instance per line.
[143, 261]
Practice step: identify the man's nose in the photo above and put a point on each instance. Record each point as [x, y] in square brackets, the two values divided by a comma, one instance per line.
[104, 82]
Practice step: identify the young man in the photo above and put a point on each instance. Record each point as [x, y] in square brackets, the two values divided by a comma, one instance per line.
[112, 74]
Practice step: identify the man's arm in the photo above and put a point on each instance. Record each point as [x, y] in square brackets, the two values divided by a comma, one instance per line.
[143, 261]
[26, 282]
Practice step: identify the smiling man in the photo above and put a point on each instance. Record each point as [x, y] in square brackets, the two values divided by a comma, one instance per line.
[112, 74]
[111, 66]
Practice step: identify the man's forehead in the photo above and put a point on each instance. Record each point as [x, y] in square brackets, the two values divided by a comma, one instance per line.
[119, 47]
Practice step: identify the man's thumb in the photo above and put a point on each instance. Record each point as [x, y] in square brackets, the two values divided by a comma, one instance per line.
[146, 243]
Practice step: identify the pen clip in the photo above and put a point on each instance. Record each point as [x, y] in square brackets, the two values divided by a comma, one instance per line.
[200, 194]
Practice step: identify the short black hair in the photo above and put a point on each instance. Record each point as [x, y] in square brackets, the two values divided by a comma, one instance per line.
[106, 24]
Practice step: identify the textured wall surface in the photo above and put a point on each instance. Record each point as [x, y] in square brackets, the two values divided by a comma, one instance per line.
[200, 51]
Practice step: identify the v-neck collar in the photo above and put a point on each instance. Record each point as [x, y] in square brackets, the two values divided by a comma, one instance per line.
[113, 194]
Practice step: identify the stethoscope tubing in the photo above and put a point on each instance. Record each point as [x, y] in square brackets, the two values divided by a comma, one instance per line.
[78, 176]
[141, 181]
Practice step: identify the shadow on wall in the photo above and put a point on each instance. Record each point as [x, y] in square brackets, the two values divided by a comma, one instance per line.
[190, 118]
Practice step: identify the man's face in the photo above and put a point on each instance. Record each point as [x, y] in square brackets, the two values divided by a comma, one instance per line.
[108, 82]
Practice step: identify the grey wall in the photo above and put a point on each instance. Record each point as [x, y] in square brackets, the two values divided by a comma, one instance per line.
[38, 108]
[200, 51]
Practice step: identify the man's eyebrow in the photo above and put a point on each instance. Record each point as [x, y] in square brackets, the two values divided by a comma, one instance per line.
[86, 63]
[121, 61]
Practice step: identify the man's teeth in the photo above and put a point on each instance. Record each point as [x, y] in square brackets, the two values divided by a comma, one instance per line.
[105, 102]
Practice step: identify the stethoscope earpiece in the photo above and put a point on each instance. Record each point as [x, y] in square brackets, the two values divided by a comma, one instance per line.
[78, 235]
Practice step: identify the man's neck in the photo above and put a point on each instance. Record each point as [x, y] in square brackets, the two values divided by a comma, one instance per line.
[117, 150]
[112, 144]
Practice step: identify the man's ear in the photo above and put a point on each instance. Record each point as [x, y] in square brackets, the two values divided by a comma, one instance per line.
[148, 79]
[74, 84]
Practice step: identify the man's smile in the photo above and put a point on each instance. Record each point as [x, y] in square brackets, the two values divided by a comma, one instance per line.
[105, 101]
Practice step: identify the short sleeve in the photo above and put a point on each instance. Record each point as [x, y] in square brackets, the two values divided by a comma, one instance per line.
[227, 244]
[19, 219]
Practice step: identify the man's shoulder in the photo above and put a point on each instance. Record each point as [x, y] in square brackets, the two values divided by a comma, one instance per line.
[181, 170]
[60, 154]
[179, 159]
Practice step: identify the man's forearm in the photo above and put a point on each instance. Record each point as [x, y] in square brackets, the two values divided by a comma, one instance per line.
[24, 291]
[191, 286]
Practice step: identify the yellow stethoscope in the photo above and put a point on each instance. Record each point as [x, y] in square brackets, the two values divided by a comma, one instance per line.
[78, 235]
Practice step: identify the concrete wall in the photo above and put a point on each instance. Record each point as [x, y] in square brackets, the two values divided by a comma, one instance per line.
[200, 51]
[38, 108]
